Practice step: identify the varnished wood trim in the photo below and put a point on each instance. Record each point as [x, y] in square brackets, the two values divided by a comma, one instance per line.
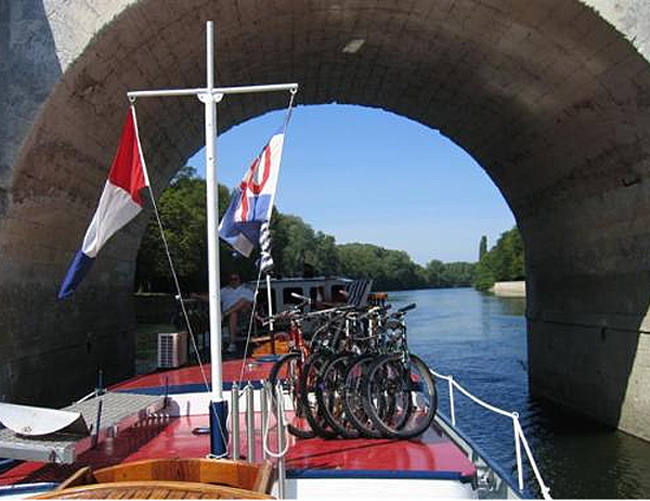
[251, 476]
[152, 490]
[83, 476]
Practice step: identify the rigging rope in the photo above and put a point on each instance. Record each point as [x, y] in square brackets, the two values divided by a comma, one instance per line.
[250, 327]
[287, 117]
[179, 295]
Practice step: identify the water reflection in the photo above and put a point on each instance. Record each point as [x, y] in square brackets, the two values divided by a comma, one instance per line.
[481, 340]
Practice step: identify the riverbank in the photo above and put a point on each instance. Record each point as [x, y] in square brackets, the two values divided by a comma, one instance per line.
[509, 289]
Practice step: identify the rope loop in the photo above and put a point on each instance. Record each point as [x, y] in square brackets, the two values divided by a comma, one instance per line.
[282, 417]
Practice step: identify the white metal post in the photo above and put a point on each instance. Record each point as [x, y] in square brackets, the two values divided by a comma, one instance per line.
[212, 198]
[250, 422]
[279, 416]
[268, 297]
[234, 420]
[264, 393]
[452, 407]
[520, 469]
[218, 406]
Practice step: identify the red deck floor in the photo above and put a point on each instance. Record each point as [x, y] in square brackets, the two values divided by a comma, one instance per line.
[173, 437]
[232, 369]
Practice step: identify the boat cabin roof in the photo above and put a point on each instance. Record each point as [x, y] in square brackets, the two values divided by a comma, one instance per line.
[319, 289]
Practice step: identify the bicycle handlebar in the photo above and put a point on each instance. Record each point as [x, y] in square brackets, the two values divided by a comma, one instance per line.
[371, 311]
[298, 296]
[406, 308]
[290, 313]
[351, 312]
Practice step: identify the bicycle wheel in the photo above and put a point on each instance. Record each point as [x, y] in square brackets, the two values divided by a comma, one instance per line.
[414, 389]
[330, 394]
[309, 382]
[385, 399]
[287, 371]
[353, 396]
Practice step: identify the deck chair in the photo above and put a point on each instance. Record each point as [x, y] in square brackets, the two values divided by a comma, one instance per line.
[357, 292]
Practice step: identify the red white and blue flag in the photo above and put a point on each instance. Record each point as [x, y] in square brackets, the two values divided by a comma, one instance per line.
[252, 201]
[120, 203]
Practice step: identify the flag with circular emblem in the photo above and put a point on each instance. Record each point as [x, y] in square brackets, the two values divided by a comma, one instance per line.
[252, 201]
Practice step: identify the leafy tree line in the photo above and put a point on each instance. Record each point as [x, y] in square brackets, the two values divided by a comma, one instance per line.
[182, 208]
[504, 262]
[297, 249]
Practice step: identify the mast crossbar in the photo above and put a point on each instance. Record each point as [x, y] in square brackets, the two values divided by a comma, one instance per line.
[244, 89]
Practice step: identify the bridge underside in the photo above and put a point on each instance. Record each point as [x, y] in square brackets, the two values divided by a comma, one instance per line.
[549, 98]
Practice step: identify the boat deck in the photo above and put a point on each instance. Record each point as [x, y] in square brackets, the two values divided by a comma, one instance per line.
[118, 409]
[432, 456]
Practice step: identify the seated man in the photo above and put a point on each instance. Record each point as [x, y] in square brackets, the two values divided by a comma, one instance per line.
[236, 298]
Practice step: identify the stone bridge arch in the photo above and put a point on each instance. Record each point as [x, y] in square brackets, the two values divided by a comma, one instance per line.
[551, 97]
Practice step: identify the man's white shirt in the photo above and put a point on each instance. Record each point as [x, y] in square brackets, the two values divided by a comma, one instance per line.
[230, 295]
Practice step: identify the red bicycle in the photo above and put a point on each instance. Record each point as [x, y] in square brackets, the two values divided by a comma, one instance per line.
[287, 371]
[298, 371]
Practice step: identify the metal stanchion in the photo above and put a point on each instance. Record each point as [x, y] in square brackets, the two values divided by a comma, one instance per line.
[98, 423]
[234, 419]
[265, 415]
[250, 422]
[279, 409]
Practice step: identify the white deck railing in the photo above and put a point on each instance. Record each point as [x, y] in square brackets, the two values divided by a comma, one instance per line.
[518, 432]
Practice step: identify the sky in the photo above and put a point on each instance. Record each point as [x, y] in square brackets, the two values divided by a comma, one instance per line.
[366, 175]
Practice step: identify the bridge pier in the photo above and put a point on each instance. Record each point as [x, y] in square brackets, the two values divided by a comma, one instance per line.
[596, 363]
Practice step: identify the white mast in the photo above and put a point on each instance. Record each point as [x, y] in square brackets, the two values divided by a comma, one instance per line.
[210, 96]
[210, 101]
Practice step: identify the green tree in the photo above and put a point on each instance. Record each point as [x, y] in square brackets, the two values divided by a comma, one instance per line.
[293, 241]
[508, 256]
[483, 247]
[434, 274]
[327, 255]
[361, 261]
[182, 212]
[484, 276]
[389, 269]
[182, 209]
[504, 262]
[297, 249]
[458, 274]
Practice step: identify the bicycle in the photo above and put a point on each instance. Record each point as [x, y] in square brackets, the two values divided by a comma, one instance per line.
[332, 390]
[404, 380]
[325, 345]
[288, 369]
[296, 369]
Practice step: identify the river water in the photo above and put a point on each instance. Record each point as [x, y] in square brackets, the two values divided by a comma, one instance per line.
[480, 339]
